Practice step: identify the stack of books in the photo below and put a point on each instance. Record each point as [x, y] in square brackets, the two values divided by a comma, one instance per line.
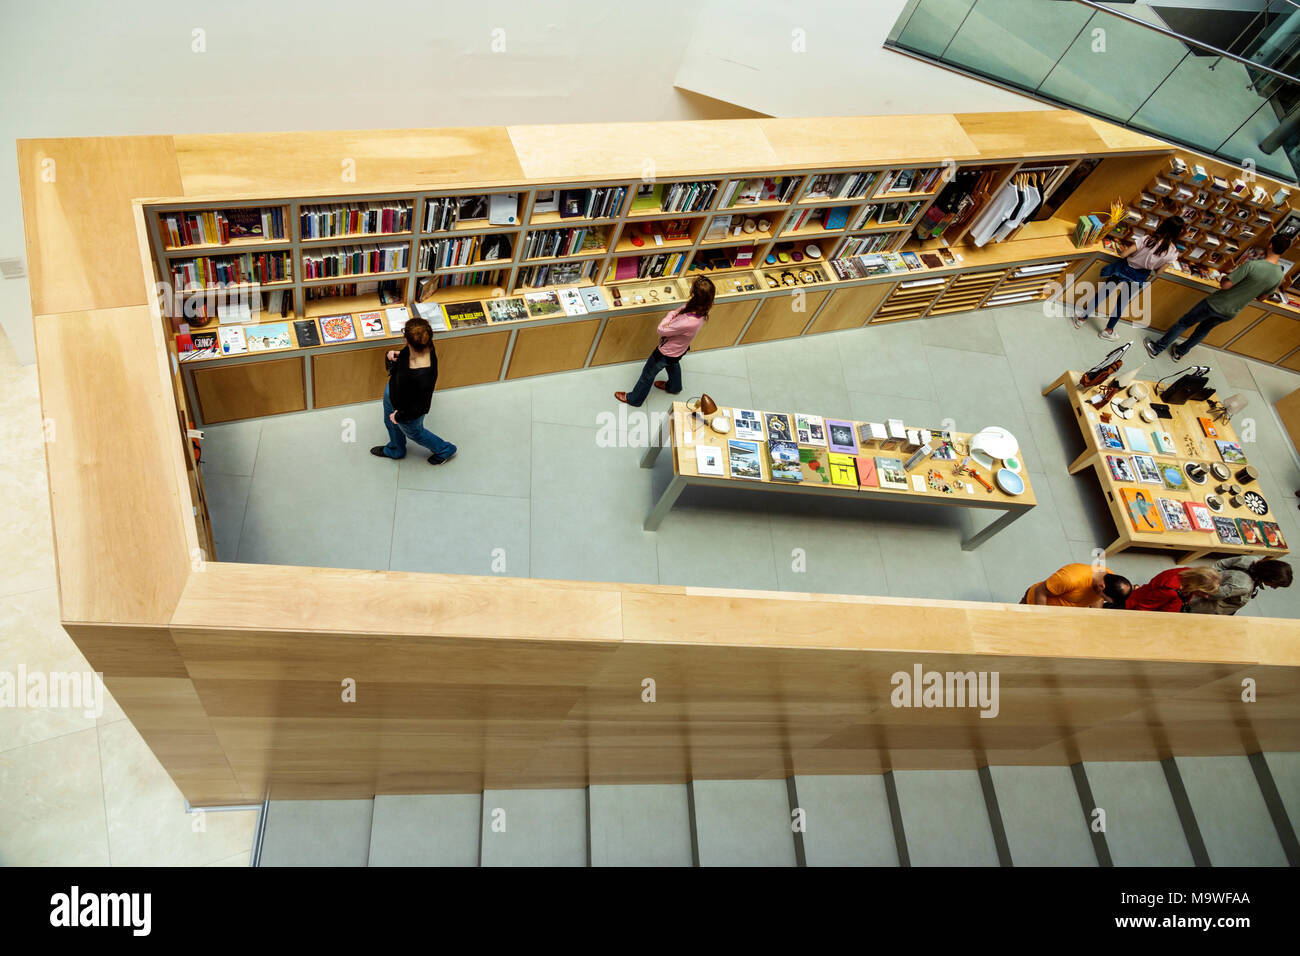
[355, 219]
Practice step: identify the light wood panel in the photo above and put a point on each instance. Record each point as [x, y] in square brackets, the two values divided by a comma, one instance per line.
[82, 250]
[843, 140]
[628, 337]
[1034, 134]
[1292, 362]
[1226, 332]
[1169, 301]
[552, 348]
[849, 308]
[1273, 337]
[470, 359]
[726, 319]
[782, 316]
[353, 375]
[1288, 409]
[250, 390]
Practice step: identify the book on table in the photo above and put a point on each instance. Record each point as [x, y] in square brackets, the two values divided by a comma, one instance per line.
[337, 328]
[784, 460]
[810, 430]
[232, 340]
[891, 473]
[749, 425]
[844, 470]
[708, 460]
[305, 331]
[745, 460]
[268, 338]
[779, 427]
[840, 437]
[815, 465]
[372, 325]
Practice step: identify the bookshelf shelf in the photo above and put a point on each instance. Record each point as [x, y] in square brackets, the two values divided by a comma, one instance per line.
[553, 220]
[355, 239]
[233, 246]
[351, 277]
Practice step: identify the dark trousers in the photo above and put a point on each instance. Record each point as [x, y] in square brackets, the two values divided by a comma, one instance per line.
[1127, 282]
[656, 363]
[1200, 315]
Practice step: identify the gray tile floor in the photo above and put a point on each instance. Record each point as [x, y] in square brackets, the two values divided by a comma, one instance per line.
[532, 491]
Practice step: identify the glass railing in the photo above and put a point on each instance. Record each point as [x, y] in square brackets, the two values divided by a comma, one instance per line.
[1102, 62]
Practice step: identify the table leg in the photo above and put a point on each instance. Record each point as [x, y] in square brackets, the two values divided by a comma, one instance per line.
[993, 527]
[1116, 546]
[658, 440]
[1088, 458]
[1064, 378]
[665, 502]
[1192, 556]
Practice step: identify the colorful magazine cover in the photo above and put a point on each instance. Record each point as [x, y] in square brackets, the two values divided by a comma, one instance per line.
[745, 462]
[784, 460]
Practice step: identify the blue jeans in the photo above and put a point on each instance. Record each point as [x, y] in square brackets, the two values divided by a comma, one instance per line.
[1200, 315]
[414, 430]
[1127, 281]
[656, 363]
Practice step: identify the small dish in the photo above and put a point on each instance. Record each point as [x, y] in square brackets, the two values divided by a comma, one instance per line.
[1009, 481]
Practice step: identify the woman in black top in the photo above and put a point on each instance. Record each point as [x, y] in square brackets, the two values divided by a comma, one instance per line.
[412, 374]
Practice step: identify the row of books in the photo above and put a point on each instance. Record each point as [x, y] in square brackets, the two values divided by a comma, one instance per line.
[441, 253]
[1088, 230]
[307, 333]
[842, 185]
[558, 273]
[602, 202]
[826, 217]
[546, 243]
[861, 245]
[911, 180]
[741, 192]
[648, 267]
[328, 263]
[388, 291]
[221, 226]
[354, 219]
[450, 280]
[887, 214]
[206, 271]
[445, 212]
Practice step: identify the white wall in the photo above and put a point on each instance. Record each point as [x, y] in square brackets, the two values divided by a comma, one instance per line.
[92, 68]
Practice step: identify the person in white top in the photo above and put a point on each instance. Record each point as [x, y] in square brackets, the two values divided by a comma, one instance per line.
[1143, 259]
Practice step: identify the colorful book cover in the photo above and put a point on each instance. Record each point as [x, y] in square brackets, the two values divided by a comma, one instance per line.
[708, 460]
[749, 425]
[815, 466]
[1199, 516]
[1227, 530]
[264, 338]
[1164, 442]
[1142, 510]
[1121, 469]
[1230, 451]
[1207, 426]
[507, 310]
[891, 474]
[232, 340]
[594, 299]
[779, 427]
[1146, 469]
[1174, 516]
[571, 302]
[1172, 476]
[1272, 534]
[305, 332]
[337, 328]
[1251, 533]
[466, 315]
[784, 460]
[867, 477]
[844, 471]
[840, 437]
[745, 462]
[372, 325]
[1137, 439]
[811, 430]
[1109, 435]
[543, 304]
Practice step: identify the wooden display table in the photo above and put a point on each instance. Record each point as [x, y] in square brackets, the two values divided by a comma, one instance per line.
[684, 431]
[1190, 444]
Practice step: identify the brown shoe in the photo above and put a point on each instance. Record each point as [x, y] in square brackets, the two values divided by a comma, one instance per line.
[621, 396]
[662, 385]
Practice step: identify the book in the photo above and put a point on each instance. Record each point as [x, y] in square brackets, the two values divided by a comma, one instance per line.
[1142, 510]
[232, 339]
[306, 333]
[1174, 515]
[1227, 530]
[1251, 533]
[184, 343]
[783, 458]
[749, 425]
[779, 427]
[397, 317]
[810, 430]
[1121, 469]
[891, 473]
[203, 345]
[1137, 439]
[571, 302]
[1164, 442]
[265, 338]
[745, 462]
[866, 472]
[1272, 534]
[1230, 451]
[912, 261]
[594, 299]
[465, 315]
[432, 313]
[1172, 476]
[1109, 436]
[337, 328]
[507, 310]
[844, 470]
[371, 325]
[503, 209]
[814, 463]
[543, 304]
[840, 437]
[708, 460]
[1199, 516]
[1207, 426]
[1146, 469]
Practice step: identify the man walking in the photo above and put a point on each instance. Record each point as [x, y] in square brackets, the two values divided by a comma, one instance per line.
[1247, 282]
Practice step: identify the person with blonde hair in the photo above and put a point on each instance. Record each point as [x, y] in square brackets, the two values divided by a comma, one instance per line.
[1242, 577]
[1172, 590]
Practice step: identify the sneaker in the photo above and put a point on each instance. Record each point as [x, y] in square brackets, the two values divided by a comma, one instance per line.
[378, 452]
[1110, 335]
[1150, 346]
[435, 460]
[1078, 321]
[1177, 353]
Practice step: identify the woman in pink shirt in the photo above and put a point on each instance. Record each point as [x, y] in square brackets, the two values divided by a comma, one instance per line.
[675, 334]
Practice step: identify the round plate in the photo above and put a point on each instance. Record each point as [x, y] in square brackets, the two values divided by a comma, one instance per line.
[1214, 502]
[1255, 503]
[995, 442]
[720, 423]
[1124, 413]
[1009, 481]
[1191, 477]
[1220, 471]
[1012, 464]
[1148, 415]
[812, 251]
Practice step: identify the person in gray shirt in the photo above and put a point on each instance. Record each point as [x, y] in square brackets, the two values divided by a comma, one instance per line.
[1240, 580]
